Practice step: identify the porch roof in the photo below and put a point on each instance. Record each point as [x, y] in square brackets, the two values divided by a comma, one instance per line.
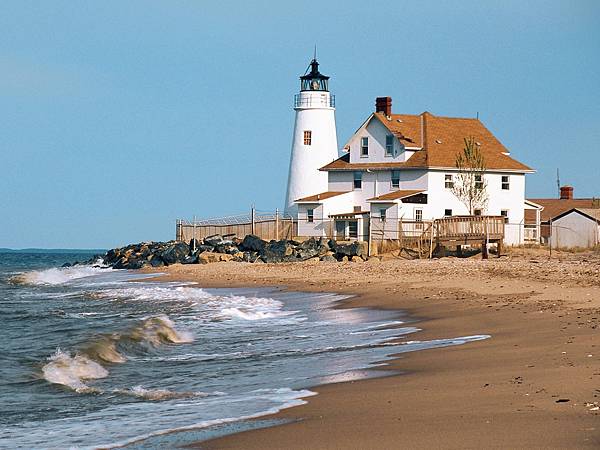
[396, 195]
[318, 198]
[349, 215]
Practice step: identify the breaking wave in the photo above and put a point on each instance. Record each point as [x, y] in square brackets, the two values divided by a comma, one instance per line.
[55, 276]
[72, 371]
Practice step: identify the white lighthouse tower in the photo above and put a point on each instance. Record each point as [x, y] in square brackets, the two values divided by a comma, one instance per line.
[315, 139]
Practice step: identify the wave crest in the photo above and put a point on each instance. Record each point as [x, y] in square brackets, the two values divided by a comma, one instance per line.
[72, 371]
[56, 275]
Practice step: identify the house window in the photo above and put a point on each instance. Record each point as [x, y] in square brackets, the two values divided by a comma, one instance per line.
[357, 209]
[504, 213]
[418, 219]
[477, 212]
[505, 182]
[382, 213]
[310, 215]
[307, 137]
[447, 212]
[395, 178]
[448, 182]
[353, 229]
[357, 180]
[389, 145]
[364, 146]
[479, 182]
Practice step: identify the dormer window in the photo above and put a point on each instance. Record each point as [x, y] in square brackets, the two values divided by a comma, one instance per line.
[364, 146]
[389, 145]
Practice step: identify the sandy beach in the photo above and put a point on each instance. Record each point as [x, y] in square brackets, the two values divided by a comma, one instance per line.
[534, 384]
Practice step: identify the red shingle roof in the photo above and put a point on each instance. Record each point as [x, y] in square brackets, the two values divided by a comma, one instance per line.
[319, 197]
[396, 195]
[441, 139]
[556, 206]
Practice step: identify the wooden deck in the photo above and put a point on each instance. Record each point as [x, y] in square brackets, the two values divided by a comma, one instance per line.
[469, 229]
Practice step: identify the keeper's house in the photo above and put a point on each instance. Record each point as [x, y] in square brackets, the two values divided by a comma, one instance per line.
[400, 168]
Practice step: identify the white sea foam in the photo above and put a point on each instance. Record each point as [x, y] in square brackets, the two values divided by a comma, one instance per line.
[158, 394]
[238, 313]
[56, 276]
[72, 371]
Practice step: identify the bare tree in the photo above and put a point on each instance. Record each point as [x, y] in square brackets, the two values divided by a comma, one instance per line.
[469, 184]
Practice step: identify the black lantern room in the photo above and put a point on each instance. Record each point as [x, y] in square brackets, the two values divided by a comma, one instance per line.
[314, 81]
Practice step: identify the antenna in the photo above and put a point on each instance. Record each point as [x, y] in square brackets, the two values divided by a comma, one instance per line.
[315, 55]
[558, 181]
[477, 115]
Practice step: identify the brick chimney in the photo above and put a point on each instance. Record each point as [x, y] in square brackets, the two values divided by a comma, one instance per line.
[383, 105]
[566, 192]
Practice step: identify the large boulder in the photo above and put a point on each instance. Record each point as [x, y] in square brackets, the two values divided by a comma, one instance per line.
[351, 248]
[311, 248]
[213, 240]
[278, 251]
[227, 247]
[156, 261]
[209, 257]
[175, 253]
[253, 243]
[204, 248]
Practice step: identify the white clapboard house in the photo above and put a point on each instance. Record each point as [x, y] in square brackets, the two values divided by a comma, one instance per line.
[395, 168]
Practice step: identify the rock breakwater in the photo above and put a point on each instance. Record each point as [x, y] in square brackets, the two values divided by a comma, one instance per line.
[217, 248]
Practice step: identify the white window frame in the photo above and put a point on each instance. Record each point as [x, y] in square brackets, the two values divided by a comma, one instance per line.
[418, 216]
[383, 214]
[310, 215]
[389, 145]
[448, 181]
[364, 147]
[504, 213]
[349, 228]
[479, 182]
[505, 184]
[395, 186]
[446, 211]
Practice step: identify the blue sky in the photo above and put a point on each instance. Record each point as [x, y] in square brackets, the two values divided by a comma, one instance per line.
[118, 117]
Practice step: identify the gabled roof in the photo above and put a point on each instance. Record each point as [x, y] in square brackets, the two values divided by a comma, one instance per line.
[440, 140]
[396, 195]
[319, 197]
[556, 206]
[590, 213]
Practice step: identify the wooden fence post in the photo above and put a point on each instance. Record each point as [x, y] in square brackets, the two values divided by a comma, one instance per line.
[253, 219]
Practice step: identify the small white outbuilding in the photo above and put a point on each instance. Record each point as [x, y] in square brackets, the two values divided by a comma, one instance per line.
[578, 227]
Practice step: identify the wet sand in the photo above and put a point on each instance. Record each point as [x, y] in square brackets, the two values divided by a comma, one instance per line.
[534, 384]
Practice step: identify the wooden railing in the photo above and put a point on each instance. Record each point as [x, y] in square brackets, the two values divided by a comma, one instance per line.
[470, 227]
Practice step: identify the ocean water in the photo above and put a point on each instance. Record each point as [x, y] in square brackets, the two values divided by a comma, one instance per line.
[90, 359]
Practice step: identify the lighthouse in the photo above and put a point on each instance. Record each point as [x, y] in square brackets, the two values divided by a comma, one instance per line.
[315, 141]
